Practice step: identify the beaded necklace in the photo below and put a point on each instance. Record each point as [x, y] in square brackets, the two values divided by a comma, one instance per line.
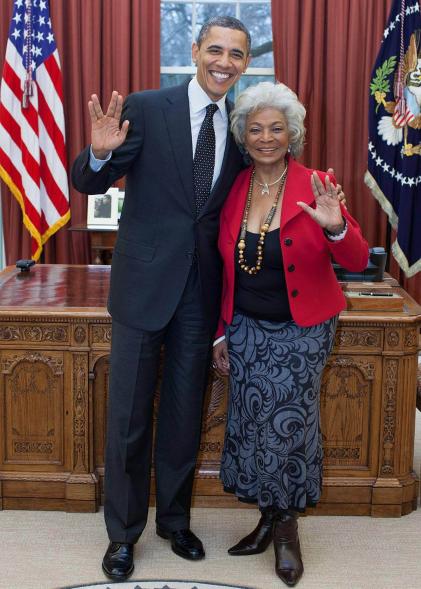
[263, 229]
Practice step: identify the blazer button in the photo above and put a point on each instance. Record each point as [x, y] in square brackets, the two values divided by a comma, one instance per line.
[291, 268]
[288, 241]
[294, 293]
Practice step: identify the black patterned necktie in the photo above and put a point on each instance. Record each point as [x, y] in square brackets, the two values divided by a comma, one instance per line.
[204, 158]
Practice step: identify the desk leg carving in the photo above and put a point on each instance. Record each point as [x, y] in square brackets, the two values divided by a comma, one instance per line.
[82, 484]
[389, 414]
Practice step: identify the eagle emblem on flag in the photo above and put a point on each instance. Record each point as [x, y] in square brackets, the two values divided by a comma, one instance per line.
[405, 108]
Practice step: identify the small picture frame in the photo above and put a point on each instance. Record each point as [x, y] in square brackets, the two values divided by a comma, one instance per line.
[120, 197]
[103, 209]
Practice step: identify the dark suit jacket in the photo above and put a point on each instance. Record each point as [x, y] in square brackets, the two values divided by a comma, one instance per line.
[159, 233]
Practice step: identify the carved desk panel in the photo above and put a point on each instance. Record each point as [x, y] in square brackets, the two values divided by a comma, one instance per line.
[55, 338]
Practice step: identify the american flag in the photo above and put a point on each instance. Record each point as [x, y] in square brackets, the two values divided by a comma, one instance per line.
[32, 132]
[402, 115]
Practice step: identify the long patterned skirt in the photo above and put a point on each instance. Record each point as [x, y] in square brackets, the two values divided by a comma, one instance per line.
[273, 449]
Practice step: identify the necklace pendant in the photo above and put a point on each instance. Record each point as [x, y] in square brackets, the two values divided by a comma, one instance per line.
[265, 189]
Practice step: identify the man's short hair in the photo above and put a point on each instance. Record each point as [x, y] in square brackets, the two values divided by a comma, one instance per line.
[227, 22]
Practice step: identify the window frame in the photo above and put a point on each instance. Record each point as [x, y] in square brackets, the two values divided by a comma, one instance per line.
[191, 69]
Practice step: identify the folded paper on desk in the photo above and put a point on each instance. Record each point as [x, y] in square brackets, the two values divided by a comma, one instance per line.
[372, 301]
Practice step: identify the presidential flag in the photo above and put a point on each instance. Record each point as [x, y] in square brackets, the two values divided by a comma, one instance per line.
[32, 134]
[394, 148]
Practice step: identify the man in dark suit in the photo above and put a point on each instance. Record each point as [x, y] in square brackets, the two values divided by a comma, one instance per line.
[180, 160]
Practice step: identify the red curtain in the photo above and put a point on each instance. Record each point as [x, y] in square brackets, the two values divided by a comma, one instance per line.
[103, 45]
[324, 50]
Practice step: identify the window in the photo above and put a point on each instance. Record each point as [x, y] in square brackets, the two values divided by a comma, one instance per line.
[181, 21]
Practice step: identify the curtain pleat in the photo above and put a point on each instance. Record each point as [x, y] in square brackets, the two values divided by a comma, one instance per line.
[325, 50]
[104, 45]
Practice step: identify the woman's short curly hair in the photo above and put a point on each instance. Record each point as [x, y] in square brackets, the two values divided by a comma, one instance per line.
[269, 95]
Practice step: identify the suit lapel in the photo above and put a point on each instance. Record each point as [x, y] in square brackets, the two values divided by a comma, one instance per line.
[228, 141]
[234, 208]
[177, 116]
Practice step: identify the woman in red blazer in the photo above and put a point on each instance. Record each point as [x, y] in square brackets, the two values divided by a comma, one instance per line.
[280, 227]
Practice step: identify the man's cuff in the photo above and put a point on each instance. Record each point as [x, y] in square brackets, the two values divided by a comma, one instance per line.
[218, 339]
[96, 164]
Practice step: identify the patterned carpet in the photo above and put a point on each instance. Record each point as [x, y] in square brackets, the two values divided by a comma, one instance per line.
[162, 584]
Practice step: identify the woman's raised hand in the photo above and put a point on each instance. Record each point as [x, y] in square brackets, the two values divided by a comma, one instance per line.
[328, 211]
[106, 134]
[339, 191]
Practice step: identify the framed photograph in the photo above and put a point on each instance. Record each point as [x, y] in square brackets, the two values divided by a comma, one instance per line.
[120, 197]
[103, 209]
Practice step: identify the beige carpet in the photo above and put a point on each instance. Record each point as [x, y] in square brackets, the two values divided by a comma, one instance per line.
[47, 550]
[42, 550]
[163, 584]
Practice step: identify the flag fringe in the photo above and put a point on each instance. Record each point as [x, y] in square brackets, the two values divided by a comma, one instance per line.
[400, 257]
[393, 219]
[381, 199]
[33, 231]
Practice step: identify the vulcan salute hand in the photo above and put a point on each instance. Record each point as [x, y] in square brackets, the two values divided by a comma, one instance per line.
[328, 211]
[106, 134]
[339, 191]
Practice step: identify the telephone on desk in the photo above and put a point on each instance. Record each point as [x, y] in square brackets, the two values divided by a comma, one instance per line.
[373, 273]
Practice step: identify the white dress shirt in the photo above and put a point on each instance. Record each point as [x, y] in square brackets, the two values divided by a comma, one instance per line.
[198, 101]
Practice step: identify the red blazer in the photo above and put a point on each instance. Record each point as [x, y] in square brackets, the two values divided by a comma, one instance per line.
[314, 293]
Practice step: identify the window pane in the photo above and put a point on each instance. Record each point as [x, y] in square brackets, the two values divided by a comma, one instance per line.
[176, 35]
[258, 19]
[180, 17]
[168, 80]
[207, 11]
[246, 81]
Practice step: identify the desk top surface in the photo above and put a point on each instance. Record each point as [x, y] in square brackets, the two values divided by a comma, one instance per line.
[60, 289]
[55, 287]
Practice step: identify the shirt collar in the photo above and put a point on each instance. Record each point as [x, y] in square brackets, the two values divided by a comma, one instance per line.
[199, 100]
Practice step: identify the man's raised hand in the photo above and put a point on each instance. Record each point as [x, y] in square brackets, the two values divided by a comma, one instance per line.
[106, 134]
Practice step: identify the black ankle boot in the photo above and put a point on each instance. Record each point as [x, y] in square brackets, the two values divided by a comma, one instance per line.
[258, 540]
[289, 564]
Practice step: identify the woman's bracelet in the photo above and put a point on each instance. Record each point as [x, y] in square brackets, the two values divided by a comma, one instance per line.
[337, 236]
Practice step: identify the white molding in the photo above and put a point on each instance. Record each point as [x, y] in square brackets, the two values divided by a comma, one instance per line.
[251, 71]
[216, 1]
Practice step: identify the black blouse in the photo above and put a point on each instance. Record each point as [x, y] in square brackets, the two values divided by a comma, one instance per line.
[262, 295]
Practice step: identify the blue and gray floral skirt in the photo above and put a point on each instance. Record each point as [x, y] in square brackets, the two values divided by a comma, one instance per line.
[273, 449]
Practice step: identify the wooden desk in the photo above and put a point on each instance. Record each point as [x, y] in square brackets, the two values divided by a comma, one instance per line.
[102, 241]
[54, 344]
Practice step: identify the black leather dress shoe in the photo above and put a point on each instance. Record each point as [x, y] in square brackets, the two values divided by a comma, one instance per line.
[117, 563]
[184, 543]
